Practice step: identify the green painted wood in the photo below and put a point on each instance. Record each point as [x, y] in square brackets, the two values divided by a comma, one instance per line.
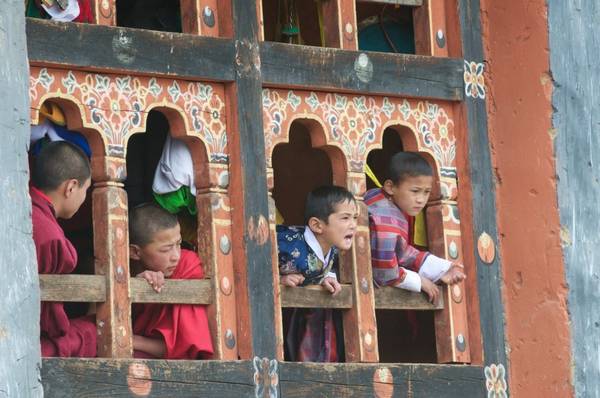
[20, 309]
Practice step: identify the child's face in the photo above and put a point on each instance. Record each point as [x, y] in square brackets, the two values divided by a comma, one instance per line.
[340, 228]
[411, 194]
[162, 254]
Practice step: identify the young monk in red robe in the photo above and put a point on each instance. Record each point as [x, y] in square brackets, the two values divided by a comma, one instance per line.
[60, 178]
[169, 331]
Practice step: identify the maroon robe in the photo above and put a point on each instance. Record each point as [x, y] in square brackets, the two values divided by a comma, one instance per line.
[60, 336]
[183, 327]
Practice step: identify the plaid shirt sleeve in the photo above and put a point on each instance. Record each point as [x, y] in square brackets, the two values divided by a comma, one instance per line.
[391, 253]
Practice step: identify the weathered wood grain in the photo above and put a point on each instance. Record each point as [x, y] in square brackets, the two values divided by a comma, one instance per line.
[74, 288]
[111, 260]
[126, 50]
[328, 69]
[182, 291]
[20, 309]
[380, 380]
[259, 314]
[315, 296]
[391, 298]
[105, 48]
[92, 288]
[89, 378]
[575, 103]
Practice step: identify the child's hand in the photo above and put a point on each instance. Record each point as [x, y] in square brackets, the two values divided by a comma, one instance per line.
[430, 288]
[155, 279]
[332, 285]
[454, 275]
[292, 279]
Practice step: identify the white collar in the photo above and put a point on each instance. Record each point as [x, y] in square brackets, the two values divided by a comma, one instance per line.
[313, 243]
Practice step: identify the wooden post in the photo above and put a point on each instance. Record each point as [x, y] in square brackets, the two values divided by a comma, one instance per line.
[248, 190]
[339, 23]
[111, 252]
[215, 242]
[429, 21]
[360, 326]
[451, 324]
[278, 326]
[105, 12]
[20, 309]
[200, 17]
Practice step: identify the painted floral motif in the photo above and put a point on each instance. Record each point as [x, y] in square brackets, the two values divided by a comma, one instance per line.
[474, 81]
[435, 129]
[355, 123]
[266, 378]
[495, 381]
[116, 105]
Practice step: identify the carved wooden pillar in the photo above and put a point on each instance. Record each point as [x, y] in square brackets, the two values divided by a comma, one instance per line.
[105, 12]
[339, 20]
[276, 284]
[360, 326]
[111, 252]
[451, 327]
[430, 28]
[214, 241]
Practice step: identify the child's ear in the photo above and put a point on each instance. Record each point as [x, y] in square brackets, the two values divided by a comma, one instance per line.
[388, 187]
[315, 225]
[134, 252]
[69, 186]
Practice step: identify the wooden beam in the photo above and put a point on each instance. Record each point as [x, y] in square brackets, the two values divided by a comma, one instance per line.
[153, 378]
[92, 288]
[74, 288]
[328, 69]
[392, 298]
[182, 291]
[146, 378]
[380, 380]
[315, 296]
[126, 50]
[410, 3]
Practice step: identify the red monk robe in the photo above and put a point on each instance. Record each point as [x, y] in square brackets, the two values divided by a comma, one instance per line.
[60, 336]
[183, 327]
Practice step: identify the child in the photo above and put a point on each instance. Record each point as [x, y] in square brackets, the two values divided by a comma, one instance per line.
[60, 178]
[395, 261]
[308, 256]
[169, 331]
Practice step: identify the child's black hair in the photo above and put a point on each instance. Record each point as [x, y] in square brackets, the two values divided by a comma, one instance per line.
[408, 164]
[146, 220]
[320, 203]
[58, 162]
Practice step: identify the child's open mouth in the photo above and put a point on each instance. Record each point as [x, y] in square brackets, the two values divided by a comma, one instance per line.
[348, 238]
